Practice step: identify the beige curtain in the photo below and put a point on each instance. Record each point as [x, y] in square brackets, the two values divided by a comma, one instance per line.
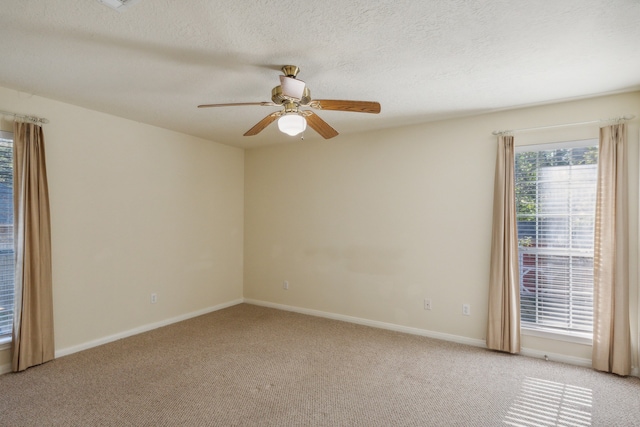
[33, 324]
[611, 334]
[503, 327]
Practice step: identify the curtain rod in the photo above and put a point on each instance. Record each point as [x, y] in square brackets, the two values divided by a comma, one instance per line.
[26, 117]
[615, 119]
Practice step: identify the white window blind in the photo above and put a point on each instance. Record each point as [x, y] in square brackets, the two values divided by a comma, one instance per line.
[555, 208]
[6, 234]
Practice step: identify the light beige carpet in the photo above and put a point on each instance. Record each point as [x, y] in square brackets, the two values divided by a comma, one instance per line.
[254, 366]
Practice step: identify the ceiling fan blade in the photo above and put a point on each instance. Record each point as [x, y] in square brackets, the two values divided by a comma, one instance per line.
[320, 125]
[263, 124]
[235, 104]
[341, 105]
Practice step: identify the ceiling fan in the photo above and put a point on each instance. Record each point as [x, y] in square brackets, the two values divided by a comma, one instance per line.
[291, 95]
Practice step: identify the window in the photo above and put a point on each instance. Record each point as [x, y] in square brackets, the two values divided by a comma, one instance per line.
[7, 262]
[555, 209]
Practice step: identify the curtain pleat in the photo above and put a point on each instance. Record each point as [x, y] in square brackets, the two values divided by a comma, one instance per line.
[33, 342]
[503, 326]
[611, 328]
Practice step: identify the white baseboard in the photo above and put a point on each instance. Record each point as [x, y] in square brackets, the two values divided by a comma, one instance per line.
[5, 369]
[373, 323]
[424, 332]
[555, 357]
[141, 329]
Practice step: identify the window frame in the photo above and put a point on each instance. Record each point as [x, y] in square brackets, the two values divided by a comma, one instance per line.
[527, 328]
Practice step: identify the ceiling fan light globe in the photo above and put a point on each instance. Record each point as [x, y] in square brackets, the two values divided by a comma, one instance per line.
[292, 124]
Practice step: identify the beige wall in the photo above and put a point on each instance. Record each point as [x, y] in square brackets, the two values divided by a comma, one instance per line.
[135, 209]
[370, 225]
[365, 226]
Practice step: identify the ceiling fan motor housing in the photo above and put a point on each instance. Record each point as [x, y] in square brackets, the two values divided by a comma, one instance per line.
[306, 96]
[276, 95]
[280, 98]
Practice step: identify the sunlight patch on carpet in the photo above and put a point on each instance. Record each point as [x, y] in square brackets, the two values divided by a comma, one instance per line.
[549, 403]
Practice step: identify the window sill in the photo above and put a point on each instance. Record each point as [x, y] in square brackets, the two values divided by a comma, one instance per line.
[556, 335]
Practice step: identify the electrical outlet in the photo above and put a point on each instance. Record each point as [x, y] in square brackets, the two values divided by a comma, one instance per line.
[466, 309]
[154, 298]
[427, 304]
[285, 285]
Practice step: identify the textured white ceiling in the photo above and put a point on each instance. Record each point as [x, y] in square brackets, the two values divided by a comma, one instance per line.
[422, 60]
